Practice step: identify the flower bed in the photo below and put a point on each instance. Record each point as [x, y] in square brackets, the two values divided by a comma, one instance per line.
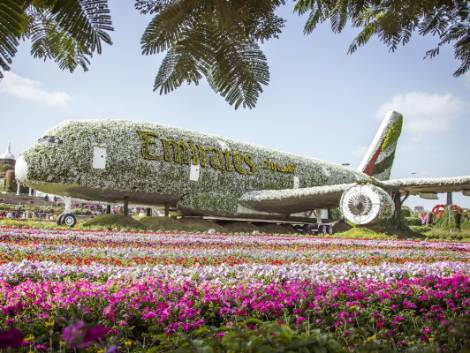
[142, 292]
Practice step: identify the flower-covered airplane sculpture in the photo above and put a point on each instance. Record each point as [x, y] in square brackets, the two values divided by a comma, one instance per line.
[149, 164]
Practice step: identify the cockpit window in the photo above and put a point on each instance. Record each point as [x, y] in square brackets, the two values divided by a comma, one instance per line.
[50, 139]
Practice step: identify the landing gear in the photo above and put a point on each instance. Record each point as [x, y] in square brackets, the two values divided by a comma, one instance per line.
[67, 219]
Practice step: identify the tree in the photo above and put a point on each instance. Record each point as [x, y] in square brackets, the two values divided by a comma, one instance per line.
[219, 39]
[394, 22]
[68, 32]
[215, 39]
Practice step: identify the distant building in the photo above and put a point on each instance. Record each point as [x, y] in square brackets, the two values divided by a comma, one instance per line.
[7, 161]
[7, 170]
[419, 209]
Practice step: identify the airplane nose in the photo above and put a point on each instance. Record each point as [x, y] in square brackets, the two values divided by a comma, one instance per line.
[21, 169]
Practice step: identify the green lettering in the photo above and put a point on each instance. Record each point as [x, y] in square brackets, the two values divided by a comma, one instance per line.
[147, 140]
[180, 151]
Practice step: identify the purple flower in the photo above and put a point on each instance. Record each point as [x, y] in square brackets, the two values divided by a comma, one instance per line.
[113, 349]
[11, 338]
[93, 334]
[73, 334]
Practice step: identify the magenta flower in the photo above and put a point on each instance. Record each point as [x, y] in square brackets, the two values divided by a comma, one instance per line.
[11, 338]
[93, 334]
[73, 334]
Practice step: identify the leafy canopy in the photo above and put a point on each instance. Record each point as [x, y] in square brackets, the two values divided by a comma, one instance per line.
[220, 40]
[68, 32]
[215, 39]
[394, 22]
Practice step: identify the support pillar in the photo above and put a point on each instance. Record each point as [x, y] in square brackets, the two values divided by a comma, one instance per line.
[30, 192]
[167, 209]
[449, 199]
[148, 212]
[18, 188]
[126, 206]
[108, 209]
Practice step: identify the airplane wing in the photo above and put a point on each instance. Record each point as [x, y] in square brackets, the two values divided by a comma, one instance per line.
[294, 200]
[429, 185]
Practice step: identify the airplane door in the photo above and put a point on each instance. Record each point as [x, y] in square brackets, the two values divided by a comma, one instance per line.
[99, 157]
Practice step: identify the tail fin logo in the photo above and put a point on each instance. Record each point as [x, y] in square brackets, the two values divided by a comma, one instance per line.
[379, 159]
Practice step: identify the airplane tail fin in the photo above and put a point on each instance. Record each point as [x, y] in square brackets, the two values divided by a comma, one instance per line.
[378, 160]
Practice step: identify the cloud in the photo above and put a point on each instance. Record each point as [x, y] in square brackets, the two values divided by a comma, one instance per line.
[27, 89]
[425, 113]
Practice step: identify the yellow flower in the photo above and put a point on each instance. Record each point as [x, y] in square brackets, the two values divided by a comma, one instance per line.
[50, 322]
[371, 338]
[29, 338]
[128, 343]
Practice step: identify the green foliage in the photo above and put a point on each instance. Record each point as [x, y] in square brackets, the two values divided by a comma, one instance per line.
[253, 336]
[68, 32]
[215, 39]
[448, 221]
[394, 22]
[163, 224]
[444, 234]
[27, 223]
[420, 229]
[393, 134]
[362, 233]
[412, 221]
[405, 212]
[201, 225]
[114, 222]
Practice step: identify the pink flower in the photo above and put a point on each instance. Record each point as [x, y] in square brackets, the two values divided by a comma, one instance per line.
[299, 320]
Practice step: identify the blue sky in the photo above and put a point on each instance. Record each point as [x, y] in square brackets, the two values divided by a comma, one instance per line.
[320, 103]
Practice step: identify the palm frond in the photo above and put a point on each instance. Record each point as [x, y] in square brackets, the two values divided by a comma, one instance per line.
[87, 21]
[12, 25]
[49, 41]
[215, 39]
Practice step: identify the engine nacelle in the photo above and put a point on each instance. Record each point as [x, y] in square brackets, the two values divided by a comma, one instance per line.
[366, 204]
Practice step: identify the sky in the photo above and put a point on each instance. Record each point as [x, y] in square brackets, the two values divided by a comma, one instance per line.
[321, 102]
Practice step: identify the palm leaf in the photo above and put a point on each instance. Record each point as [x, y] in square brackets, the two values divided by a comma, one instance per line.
[12, 25]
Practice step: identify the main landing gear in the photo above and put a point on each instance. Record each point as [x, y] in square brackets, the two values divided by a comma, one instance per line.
[67, 218]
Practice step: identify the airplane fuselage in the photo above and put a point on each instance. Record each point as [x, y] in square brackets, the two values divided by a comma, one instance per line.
[151, 164]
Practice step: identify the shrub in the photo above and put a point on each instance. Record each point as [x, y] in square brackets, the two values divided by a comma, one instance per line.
[420, 229]
[252, 336]
[114, 222]
[448, 220]
[405, 212]
[412, 221]
[201, 225]
[163, 224]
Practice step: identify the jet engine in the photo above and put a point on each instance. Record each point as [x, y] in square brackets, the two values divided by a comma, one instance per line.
[366, 204]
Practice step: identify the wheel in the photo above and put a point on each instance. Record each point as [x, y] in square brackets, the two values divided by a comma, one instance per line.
[69, 220]
[60, 220]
